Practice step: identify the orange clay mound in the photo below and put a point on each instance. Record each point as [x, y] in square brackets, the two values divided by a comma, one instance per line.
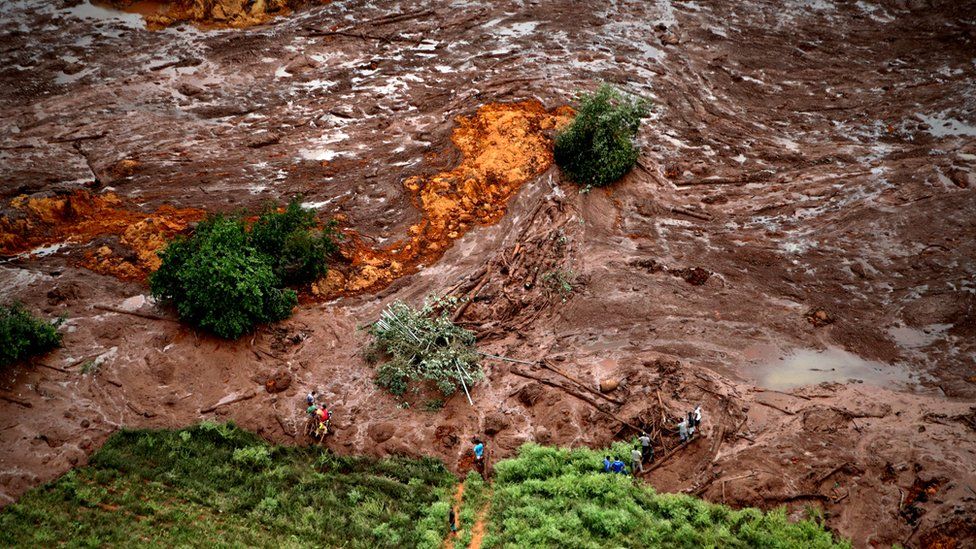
[503, 146]
[81, 217]
[209, 13]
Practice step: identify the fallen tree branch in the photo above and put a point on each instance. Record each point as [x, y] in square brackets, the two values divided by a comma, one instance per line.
[576, 394]
[143, 413]
[246, 396]
[134, 313]
[472, 295]
[774, 407]
[759, 390]
[545, 364]
[832, 472]
[507, 359]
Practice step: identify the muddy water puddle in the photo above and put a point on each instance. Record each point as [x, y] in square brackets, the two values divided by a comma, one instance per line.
[804, 367]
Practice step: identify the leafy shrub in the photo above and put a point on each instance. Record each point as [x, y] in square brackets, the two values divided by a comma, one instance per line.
[598, 148]
[23, 335]
[219, 282]
[423, 345]
[296, 250]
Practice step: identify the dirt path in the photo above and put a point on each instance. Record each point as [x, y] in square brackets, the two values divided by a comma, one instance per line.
[456, 505]
[478, 530]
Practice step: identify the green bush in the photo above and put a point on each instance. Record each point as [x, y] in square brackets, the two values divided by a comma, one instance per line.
[598, 148]
[227, 279]
[23, 335]
[423, 345]
[296, 250]
[219, 282]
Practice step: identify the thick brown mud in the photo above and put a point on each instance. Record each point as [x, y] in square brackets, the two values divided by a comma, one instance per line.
[795, 250]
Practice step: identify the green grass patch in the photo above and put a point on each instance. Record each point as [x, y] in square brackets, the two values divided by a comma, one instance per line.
[554, 497]
[216, 485]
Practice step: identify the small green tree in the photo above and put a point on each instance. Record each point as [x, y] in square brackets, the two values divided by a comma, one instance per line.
[598, 147]
[423, 345]
[296, 250]
[218, 281]
[23, 335]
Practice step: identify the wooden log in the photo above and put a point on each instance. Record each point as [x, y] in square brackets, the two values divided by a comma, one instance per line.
[576, 394]
[547, 365]
[832, 472]
[134, 313]
[246, 396]
[774, 407]
[758, 390]
[472, 296]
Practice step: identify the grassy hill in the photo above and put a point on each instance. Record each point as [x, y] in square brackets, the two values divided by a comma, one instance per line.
[214, 484]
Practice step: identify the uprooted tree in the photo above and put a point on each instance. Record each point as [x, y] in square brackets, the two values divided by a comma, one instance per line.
[423, 345]
[598, 147]
[227, 279]
[23, 335]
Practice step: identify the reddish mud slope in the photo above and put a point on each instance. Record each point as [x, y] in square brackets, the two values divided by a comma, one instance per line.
[796, 250]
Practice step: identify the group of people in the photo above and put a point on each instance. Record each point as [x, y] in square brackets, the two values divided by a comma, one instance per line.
[318, 416]
[641, 454]
[643, 451]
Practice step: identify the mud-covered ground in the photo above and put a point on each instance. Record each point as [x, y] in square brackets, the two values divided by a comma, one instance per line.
[796, 250]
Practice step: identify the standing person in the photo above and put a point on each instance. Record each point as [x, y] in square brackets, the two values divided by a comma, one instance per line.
[691, 424]
[647, 451]
[452, 520]
[636, 461]
[683, 430]
[479, 456]
[607, 463]
[697, 415]
[310, 397]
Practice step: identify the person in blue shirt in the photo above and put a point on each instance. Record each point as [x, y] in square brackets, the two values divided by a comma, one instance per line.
[606, 464]
[479, 456]
[618, 466]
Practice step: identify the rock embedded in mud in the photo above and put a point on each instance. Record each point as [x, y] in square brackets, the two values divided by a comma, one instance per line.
[819, 317]
[495, 422]
[609, 385]
[381, 432]
[529, 394]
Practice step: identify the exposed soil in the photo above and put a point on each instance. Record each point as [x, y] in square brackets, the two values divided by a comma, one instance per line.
[796, 250]
[209, 14]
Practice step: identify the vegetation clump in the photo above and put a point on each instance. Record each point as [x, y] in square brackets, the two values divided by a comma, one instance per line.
[555, 497]
[297, 252]
[424, 345]
[598, 147]
[217, 485]
[227, 279]
[23, 335]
